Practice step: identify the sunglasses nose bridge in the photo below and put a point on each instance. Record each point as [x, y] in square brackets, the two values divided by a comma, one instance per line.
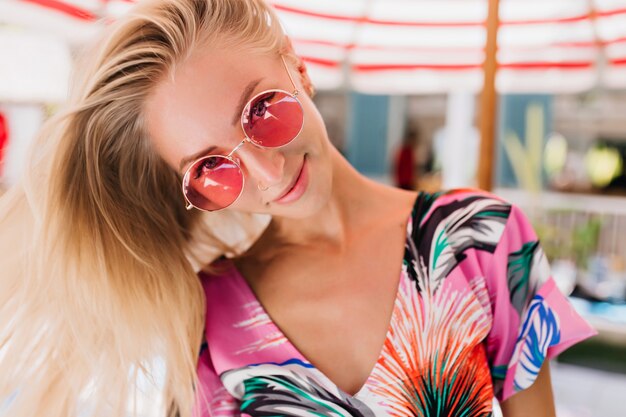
[264, 164]
[236, 148]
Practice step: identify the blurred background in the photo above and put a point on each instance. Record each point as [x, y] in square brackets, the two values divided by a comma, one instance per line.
[526, 98]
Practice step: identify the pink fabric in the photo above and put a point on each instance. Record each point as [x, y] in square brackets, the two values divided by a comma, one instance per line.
[475, 316]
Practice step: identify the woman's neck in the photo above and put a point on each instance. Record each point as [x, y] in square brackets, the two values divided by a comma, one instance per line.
[353, 199]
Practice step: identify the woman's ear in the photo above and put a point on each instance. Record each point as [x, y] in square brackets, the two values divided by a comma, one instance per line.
[305, 80]
[287, 47]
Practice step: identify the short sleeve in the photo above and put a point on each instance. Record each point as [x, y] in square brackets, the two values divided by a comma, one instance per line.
[532, 320]
[212, 398]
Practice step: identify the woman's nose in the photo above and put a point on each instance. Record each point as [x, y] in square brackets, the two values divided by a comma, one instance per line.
[265, 165]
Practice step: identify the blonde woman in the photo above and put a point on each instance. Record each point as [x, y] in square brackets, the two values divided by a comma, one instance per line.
[193, 118]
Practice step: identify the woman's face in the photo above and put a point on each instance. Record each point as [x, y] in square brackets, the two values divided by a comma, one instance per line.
[196, 111]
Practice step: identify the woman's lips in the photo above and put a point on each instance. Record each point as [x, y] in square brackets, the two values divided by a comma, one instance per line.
[298, 188]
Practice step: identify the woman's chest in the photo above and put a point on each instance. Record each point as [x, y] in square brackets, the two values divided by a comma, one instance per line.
[335, 309]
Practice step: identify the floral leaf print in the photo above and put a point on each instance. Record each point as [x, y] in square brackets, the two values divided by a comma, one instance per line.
[434, 352]
[422, 206]
[256, 318]
[526, 270]
[498, 375]
[539, 331]
[292, 388]
[475, 222]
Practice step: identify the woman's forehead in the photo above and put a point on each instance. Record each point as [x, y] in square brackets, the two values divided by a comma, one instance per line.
[195, 106]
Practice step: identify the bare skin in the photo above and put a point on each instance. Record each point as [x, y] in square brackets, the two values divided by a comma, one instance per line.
[535, 401]
[327, 268]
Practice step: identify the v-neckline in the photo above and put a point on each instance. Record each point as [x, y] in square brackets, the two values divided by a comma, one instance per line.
[408, 226]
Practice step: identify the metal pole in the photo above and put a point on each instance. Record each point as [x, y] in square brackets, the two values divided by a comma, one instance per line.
[488, 101]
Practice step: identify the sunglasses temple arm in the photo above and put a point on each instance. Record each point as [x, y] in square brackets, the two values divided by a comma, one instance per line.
[295, 89]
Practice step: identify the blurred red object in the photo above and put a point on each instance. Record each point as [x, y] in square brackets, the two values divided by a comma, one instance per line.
[404, 164]
[4, 139]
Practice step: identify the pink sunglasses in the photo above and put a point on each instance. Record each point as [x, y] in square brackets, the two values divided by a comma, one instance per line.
[271, 119]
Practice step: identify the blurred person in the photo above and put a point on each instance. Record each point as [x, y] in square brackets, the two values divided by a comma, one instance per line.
[404, 162]
[192, 117]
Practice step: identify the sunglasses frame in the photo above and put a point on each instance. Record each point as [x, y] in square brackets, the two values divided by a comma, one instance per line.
[189, 205]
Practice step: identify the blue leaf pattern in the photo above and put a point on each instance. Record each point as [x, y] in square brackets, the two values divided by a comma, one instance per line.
[539, 331]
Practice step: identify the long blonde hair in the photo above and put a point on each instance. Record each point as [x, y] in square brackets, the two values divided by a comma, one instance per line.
[96, 250]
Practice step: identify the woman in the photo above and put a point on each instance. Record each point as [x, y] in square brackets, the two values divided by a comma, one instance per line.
[356, 299]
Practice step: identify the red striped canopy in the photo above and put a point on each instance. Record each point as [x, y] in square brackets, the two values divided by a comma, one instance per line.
[412, 46]
[429, 46]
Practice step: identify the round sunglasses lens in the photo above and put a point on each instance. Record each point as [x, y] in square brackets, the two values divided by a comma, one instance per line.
[213, 183]
[273, 118]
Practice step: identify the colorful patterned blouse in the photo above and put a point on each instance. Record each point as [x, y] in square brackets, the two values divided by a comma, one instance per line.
[475, 316]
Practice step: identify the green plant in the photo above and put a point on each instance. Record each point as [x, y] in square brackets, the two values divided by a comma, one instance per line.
[585, 240]
[577, 243]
